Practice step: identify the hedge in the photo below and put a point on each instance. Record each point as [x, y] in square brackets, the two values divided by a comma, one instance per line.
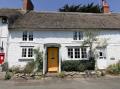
[78, 65]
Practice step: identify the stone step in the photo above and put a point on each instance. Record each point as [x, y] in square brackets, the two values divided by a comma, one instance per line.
[51, 74]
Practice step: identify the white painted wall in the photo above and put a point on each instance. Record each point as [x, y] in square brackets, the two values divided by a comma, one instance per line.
[65, 38]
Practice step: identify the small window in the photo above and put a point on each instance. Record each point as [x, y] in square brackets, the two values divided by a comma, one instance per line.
[30, 52]
[24, 51]
[77, 35]
[4, 20]
[80, 35]
[77, 52]
[30, 36]
[70, 52]
[101, 53]
[25, 36]
[84, 52]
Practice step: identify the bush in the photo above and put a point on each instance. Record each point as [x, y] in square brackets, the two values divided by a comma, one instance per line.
[81, 68]
[38, 60]
[5, 66]
[7, 76]
[15, 70]
[114, 69]
[78, 65]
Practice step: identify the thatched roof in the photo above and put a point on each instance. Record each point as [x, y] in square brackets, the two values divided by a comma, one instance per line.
[47, 20]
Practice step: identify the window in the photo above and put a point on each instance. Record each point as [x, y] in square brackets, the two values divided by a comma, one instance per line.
[24, 51]
[27, 52]
[27, 36]
[77, 35]
[84, 52]
[30, 52]
[77, 52]
[30, 36]
[101, 53]
[70, 52]
[4, 20]
[80, 35]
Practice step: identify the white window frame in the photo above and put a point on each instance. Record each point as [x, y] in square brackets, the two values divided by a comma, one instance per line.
[27, 52]
[24, 36]
[77, 35]
[103, 51]
[84, 53]
[70, 52]
[80, 56]
[29, 36]
[77, 53]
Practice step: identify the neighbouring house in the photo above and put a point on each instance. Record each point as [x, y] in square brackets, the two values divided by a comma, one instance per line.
[59, 36]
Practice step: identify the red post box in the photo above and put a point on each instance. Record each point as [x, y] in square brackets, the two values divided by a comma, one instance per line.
[2, 56]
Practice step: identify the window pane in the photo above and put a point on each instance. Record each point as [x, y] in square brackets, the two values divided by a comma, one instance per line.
[24, 51]
[77, 52]
[70, 52]
[84, 52]
[30, 36]
[30, 52]
[102, 53]
[80, 35]
[75, 35]
[25, 36]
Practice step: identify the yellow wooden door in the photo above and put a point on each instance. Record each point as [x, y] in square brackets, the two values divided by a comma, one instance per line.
[52, 59]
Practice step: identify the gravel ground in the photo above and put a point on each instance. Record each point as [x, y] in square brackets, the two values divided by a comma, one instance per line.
[55, 83]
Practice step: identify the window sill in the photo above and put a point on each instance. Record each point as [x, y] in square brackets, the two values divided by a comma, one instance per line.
[25, 59]
[78, 58]
[77, 40]
[27, 41]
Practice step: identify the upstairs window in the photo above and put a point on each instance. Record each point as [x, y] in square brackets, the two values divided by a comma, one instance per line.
[77, 35]
[80, 35]
[30, 36]
[27, 36]
[4, 20]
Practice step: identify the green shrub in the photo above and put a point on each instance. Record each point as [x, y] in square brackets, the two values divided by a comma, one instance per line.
[38, 59]
[7, 76]
[5, 66]
[15, 70]
[114, 69]
[78, 65]
[81, 68]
